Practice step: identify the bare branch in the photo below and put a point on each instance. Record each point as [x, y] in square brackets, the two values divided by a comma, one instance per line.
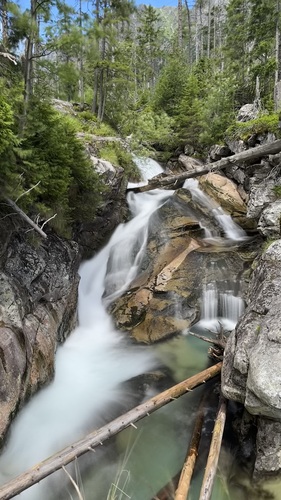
[74, 483]
[46, 221]
[28, 191]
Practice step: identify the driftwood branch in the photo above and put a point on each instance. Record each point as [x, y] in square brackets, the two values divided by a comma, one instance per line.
[213, 458]
[219, 343]
[190, 460]
[94, 439]
[176, 180]
[25, 217]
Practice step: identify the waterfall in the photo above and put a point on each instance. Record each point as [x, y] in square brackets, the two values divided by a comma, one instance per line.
[229, 227]
[96, 360]
[93, 362]
[148, 168]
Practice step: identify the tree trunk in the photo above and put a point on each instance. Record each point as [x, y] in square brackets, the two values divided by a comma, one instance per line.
[180, 25]
[29, 68]
[96, 438]
[277, 88]
[101, 102]
[189, 33]
[213, 458]
[80, 59]
[174, 181]
[209, 30]
[189, 463]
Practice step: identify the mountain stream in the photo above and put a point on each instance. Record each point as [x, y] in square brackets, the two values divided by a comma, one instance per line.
[93, 371]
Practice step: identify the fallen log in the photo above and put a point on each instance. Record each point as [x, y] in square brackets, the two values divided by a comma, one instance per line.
[213, 457]
[190, 460]
[25, 217]
[97, 437]
[176, 180]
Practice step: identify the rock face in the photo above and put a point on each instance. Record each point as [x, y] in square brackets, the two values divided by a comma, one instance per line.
[251, 372]
[38, 301]
[92, 235]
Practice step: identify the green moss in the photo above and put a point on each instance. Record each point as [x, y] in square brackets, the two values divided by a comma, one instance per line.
[277, 190]
[261, 125]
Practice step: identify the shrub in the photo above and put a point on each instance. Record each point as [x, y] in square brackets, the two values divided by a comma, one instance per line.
[56, 158]
[261, 125]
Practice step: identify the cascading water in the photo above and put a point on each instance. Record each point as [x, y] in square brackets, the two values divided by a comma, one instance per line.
[231, 230]
[92, 363]
[148, 168]
[95, 360]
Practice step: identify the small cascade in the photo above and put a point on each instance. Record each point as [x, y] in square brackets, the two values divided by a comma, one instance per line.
[229, 227]
[148, 168]
[210, 299]
[220, 307]
[232, 307]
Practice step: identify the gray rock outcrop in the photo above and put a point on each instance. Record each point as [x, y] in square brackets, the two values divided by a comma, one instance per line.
[38, 302]
[251, 372]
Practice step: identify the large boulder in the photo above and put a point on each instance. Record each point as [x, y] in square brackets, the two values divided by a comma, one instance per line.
[224, 192]
[251, 370]
[38, 302]
[269, 222]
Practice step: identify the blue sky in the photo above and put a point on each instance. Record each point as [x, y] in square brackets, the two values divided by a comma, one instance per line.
[162, 3]
[154, 3]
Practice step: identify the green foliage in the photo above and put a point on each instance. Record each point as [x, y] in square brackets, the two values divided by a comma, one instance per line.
[170, 88]
[117, 155]
[261, 125]
[9, 180]
[150, 127]
[277, 190]
[218, 110]
[56, 158]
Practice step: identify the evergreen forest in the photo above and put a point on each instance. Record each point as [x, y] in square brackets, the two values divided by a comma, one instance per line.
[166, 77]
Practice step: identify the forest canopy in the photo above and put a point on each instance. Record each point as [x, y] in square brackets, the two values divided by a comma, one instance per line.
[165, 77]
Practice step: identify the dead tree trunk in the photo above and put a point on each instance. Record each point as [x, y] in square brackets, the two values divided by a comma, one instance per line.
[213, 458]
[70, 453]
[190, 460]
[176, 180]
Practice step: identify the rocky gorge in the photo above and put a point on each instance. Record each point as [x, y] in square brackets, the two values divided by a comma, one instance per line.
[39, 282]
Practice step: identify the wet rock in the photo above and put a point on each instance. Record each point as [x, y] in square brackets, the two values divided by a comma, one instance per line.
[224, 192]
[38, 301]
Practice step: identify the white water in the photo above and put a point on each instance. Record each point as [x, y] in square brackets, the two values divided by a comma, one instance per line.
[230, 229]
[220, 307]
[92, 363]
[148, 168]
